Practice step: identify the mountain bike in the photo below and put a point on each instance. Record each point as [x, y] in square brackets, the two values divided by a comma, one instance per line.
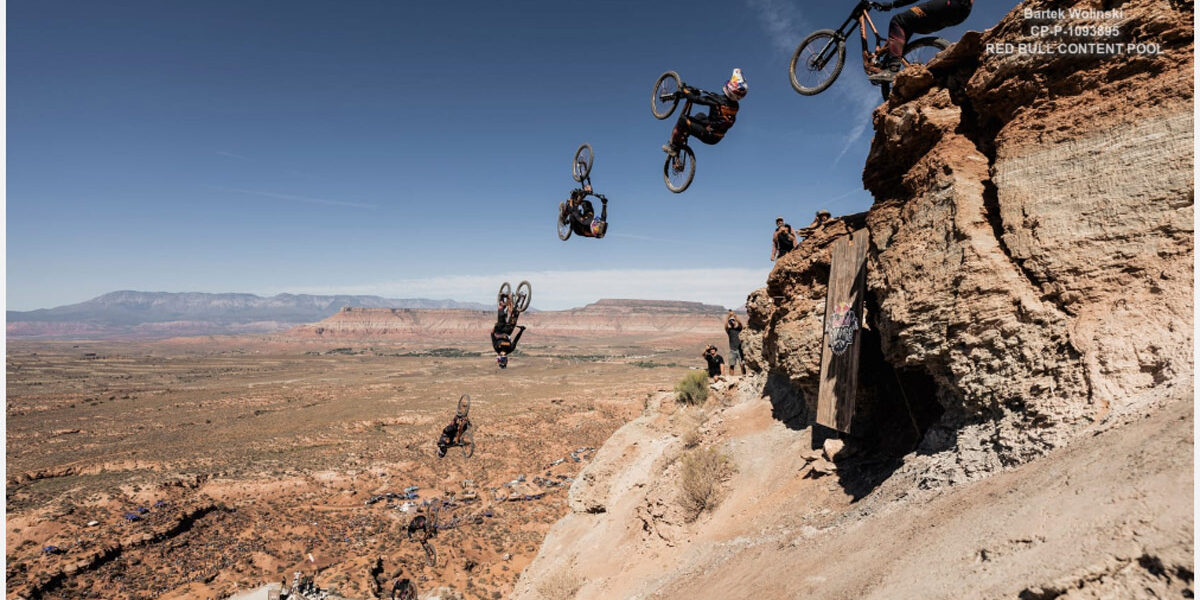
[581, 169]
[430, 531]
[818, 60]
[520, 302]
[678, 170]
[466, 438]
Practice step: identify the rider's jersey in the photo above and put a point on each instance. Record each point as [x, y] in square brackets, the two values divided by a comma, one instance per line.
[723, 111]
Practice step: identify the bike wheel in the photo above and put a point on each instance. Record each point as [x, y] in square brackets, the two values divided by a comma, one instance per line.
[564, 224]
[679, 170]
[464, 405]
[667, 85]
[524, 295]
[468, 442]
[918, 52]
[581, 166]
[505, 291]
[430, 554]
[817, 62]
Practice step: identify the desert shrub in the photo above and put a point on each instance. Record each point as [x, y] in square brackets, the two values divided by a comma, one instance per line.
[562, 585]
[693, 388]
[702, 472]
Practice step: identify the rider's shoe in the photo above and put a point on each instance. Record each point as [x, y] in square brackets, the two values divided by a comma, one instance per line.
[670, 150]
[887, 72]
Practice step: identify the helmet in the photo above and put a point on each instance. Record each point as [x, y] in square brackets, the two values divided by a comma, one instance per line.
[598, 228]
[735, 88]
[502, 362]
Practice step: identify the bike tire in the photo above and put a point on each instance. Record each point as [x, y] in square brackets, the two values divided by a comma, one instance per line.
[678, 179]
[918, 52]
[563, 222]
[464, 405]
[667, 83]
[523, 297]
[505, 290]
[468, 442]
[581, 165]
[430, 554]
[815, 48]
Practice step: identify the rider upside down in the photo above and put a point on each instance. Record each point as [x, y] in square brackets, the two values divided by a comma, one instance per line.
[582, 215]
[503, 342]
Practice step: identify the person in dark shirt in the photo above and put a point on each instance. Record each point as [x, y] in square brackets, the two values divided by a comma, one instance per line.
[708, 128]
[928, 17]
[451, 434]
[783, 241]
[503, 342]
[582, 214]
[715, 362]
[733, 329]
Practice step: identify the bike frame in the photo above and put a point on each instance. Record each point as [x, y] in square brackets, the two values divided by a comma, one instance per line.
[859, 18]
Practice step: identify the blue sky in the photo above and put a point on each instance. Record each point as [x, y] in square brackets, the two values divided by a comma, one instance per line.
[409, 148]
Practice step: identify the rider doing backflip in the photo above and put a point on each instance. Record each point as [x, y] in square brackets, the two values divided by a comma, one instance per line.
[582, 215]
[452, 433]
[503, 342]
[722, 112]
[928, 17]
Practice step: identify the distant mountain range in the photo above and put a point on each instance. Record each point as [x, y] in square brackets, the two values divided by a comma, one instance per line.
[157, 314]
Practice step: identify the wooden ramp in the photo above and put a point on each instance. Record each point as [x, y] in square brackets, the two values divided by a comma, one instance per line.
[843, 328]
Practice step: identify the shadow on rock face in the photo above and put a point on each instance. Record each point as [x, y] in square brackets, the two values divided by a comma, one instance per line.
[787, 402]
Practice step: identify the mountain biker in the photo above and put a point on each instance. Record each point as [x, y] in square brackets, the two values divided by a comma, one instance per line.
[506, 322]
[928, 17]
[421, 526]
[711, 127]
[733, 329]
[582, 214]
[783, 241]
[452, 433]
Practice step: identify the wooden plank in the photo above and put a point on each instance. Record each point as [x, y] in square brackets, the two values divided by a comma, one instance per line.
[843, 329]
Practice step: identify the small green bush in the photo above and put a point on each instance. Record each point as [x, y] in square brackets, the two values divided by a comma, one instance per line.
[693, 388]
[700, 477]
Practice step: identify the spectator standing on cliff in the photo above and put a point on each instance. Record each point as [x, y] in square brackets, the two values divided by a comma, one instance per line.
[733, 328]
[783, 241]
[819, 221]
[715, 362]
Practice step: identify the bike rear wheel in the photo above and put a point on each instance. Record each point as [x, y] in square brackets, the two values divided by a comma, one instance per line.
[524, 295]
[668, 85]
[817, 62]
[430, 553]
[564, 223]
[468, 442]
[918, 52]
[679, 170]
[505, 292]
[581, 166]
[464, 405]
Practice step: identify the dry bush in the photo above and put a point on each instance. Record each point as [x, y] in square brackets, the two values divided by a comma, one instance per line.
[562, 585]
[700, 477]
[693, 388]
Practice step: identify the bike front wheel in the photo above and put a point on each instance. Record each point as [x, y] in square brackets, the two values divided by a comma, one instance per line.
[524, 295]
[581, 166]
[564, 223]
[464, 405]
[817, 62]
[430, 554]
[679, 170]
[664, 100]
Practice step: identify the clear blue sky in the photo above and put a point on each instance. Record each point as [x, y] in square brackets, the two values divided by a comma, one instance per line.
[408, 148]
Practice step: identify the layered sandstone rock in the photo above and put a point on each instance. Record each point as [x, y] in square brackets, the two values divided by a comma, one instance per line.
[1031, 254]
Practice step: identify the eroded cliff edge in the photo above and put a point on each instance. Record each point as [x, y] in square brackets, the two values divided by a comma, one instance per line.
[1030, 268]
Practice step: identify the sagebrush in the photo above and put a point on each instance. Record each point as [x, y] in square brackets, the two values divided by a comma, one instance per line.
[701, 475]
[562, 585]
[693, 388]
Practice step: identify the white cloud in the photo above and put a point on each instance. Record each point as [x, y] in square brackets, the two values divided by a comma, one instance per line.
[556, 290]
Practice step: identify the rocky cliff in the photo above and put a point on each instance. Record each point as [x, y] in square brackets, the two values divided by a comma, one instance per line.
[1030, 267]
